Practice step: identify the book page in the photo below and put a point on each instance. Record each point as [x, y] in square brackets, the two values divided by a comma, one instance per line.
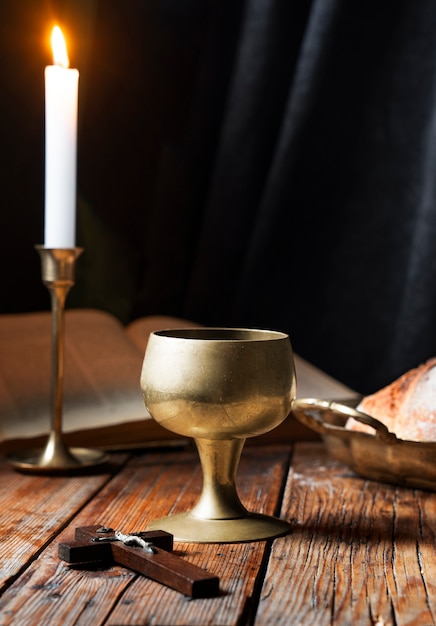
[101, 385]
[101, 377]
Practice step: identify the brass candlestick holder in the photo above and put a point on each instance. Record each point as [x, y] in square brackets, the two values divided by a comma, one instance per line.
[58, 275]
[219, 386]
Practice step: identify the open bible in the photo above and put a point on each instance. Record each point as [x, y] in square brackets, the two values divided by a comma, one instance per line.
[102, 399]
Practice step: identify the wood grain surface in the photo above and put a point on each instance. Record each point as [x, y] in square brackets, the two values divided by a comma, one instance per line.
[360, 553]
[150, 486]
[34, 509]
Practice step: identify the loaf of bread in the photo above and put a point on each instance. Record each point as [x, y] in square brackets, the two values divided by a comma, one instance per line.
[407, 407]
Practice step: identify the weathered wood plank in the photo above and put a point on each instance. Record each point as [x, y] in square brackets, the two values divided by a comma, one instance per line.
[412, 581]
[33, 509]
[151, 486]
[361, 552]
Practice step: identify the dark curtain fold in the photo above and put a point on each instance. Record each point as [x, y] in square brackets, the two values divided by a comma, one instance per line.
[321, 221]
[242, 162]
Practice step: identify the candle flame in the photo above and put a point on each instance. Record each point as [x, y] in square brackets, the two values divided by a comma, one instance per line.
[59, 47]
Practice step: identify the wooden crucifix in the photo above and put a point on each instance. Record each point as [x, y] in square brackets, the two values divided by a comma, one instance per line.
[148, 553]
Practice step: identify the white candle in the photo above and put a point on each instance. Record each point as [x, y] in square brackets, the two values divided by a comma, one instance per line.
[61, 103]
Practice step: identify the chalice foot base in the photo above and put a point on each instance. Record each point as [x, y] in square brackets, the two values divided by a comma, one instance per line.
[82, 459]
[253, 527]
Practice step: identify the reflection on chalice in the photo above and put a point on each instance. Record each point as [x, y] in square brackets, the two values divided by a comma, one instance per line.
[219, 386]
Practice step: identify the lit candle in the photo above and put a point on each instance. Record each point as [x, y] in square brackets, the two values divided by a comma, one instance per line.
[61, 103]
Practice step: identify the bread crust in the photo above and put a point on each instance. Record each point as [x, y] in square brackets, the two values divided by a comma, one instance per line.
[407, 407]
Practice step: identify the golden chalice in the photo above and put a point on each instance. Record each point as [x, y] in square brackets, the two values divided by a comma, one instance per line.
[219, 386]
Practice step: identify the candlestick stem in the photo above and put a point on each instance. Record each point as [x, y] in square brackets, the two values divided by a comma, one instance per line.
[58, 275]
[58, 268]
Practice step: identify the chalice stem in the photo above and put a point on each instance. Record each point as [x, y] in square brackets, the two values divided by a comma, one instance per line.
[219, 461]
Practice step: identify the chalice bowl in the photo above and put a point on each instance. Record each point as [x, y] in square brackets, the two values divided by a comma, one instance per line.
[219, 386]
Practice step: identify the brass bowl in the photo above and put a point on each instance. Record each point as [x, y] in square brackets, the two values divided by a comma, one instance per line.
[380, 455]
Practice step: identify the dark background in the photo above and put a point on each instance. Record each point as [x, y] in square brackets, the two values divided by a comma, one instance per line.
[264, 163]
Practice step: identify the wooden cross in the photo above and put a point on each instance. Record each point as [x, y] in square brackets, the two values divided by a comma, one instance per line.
[148, 553]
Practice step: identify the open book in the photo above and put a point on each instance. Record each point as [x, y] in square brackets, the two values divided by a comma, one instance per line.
[103, 405]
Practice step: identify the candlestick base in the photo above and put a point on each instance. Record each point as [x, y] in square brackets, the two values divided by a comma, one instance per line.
[83, 459]
[57, 268]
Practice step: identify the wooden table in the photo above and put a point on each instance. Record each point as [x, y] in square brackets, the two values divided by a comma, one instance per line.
[360, 552]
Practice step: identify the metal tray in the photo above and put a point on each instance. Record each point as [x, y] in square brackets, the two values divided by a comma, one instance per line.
[380, 456]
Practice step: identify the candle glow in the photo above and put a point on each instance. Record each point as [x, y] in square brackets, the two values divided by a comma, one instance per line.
[61, 104]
